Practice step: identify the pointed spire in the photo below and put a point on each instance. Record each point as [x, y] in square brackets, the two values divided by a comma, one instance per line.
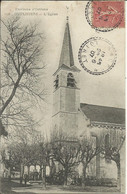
[66, 57]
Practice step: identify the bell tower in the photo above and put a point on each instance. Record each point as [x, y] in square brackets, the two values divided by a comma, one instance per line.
[66, 95]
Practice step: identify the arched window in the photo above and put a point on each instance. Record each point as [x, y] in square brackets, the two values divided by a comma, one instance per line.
[56, 82]
[70, 80]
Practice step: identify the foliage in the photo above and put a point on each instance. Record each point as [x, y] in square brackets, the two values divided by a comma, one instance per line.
[29, 150]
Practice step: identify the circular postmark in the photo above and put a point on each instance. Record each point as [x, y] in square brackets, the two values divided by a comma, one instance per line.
[105, 16]
[97, 56]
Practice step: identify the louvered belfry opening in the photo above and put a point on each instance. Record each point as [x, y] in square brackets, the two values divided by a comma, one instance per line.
[56, 84]
[70, 80]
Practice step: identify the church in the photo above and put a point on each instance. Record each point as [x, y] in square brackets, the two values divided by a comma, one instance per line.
[76, 119]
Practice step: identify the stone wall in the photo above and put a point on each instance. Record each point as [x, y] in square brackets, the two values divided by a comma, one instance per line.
[108, 168]
[66, 104]
[123, 164]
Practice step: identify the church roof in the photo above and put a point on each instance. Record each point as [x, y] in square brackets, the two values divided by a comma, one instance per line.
[103, 113]
[73, 68]
[66, 57]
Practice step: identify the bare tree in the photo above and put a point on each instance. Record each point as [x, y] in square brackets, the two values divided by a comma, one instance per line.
[43, 156]
[89, 149]
[18, 152]
[25, 150]
[28, 149]
[66, 152]
[113, 153]
[21, 69]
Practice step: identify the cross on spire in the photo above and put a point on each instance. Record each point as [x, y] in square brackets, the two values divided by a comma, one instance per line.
[67, 19]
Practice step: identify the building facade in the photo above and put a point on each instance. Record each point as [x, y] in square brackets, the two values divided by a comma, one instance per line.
[77, 119]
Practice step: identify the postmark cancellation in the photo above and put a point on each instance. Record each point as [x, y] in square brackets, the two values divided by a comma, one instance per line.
[105, 16]
[97, 55]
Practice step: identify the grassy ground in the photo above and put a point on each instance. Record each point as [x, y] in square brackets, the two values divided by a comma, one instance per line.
[6, 186]
[14, 187]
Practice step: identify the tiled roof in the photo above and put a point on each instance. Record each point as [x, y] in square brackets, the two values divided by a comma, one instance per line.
[104, 113]
[73, 68]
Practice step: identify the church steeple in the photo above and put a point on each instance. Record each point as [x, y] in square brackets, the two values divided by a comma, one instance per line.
[66, 95]
[66, 57]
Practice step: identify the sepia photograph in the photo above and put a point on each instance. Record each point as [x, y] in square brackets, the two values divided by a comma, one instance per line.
[62, 100]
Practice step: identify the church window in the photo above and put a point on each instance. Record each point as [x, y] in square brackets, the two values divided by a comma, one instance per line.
[70, 80]
[56, 82]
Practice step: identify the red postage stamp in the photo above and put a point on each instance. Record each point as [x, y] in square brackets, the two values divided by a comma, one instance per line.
[108, 14]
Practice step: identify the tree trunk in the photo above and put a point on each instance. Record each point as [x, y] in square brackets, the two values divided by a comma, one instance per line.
[65, 176]
[118, 177]
[35, 177]
[28, 172]
[9, 174]
[12, 94]
[44, 176]
[84, 176]
[40, 176]
[65, 180]
[21, 173]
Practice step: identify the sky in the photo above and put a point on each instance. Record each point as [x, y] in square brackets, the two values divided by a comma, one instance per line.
[107, 89]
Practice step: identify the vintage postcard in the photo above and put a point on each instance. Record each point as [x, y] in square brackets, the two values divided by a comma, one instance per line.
[62, 115]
